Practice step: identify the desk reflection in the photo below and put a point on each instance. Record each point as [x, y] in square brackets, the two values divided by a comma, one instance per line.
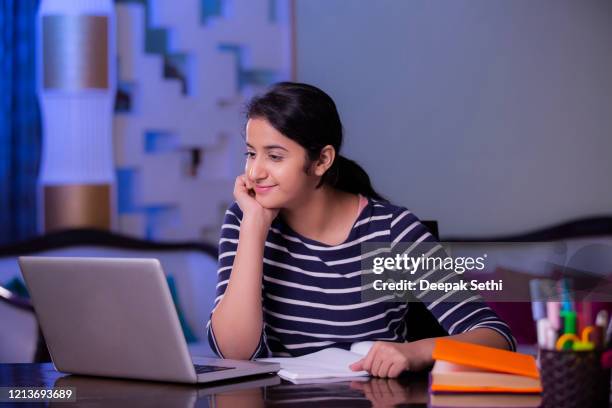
[93, 391]
[252, 392]
[383, 392]
[268, 391]
[378, 392]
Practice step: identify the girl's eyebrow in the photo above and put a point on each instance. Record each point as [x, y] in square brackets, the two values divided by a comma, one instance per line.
[270, 147]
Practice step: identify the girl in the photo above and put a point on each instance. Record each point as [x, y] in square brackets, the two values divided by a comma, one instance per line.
[289, 254]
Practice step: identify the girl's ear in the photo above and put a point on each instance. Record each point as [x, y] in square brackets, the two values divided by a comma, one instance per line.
[325, 161]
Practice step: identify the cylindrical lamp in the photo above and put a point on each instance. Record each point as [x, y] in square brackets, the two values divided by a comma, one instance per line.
[76, 79]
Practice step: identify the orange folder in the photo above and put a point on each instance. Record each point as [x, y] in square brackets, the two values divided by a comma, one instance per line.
[502, 370]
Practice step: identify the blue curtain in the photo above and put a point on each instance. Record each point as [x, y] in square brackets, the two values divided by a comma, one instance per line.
[20, 123]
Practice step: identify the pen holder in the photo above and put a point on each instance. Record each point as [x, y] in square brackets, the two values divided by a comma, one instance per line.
[574, 379]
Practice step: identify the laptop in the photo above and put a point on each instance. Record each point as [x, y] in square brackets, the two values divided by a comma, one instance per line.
[114, 317]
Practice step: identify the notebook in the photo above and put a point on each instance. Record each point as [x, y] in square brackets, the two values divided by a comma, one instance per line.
[327, 365]
[465, 367]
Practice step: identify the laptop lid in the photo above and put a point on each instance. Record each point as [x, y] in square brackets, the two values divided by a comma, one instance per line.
[108, 317]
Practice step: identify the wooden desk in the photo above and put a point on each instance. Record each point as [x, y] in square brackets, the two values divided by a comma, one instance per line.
[259, 392]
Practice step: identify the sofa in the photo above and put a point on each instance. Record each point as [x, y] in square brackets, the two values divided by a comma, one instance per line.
[190, 268]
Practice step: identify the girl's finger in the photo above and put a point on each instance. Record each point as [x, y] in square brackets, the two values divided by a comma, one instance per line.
[239, 184]
[384, 368]
[369, 359]
[357, 365]
[247, 183]
[376, 364]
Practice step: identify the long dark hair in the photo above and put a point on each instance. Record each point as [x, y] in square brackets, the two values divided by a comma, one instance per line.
[308, 116]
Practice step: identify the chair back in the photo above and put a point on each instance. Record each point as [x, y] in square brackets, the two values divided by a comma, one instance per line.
[420, 322]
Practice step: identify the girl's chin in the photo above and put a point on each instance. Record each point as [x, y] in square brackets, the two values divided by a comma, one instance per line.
[268, 203]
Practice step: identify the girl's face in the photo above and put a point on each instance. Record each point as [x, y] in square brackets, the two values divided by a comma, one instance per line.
[275, 166]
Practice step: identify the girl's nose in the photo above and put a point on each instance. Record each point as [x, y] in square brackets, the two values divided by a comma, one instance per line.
[256, 171]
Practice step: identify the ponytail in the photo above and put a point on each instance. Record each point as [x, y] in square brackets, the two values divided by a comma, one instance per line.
[347, 175]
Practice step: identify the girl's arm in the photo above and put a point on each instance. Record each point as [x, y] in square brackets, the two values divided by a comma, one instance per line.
[462, 314]
[237, 319]
[387, 359]
[483, 336]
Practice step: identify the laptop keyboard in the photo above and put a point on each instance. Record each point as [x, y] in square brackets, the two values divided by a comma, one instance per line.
[201, 369]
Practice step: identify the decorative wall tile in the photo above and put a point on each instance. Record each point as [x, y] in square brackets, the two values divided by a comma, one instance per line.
[184, 75]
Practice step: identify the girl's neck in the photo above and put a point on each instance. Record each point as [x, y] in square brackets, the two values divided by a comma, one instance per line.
[326, 215]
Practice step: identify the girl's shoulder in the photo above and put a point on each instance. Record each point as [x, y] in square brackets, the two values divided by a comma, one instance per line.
[380, 207]
[399, 219]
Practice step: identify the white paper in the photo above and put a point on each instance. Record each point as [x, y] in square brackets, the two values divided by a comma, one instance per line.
[326, 363]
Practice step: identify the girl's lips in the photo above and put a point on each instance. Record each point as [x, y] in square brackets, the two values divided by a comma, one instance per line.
[263, 189]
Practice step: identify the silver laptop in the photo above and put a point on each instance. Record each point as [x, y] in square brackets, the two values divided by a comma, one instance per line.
[114, 317]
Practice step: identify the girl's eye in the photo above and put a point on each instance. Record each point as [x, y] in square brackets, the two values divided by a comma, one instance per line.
[275, 157]
[249, 155]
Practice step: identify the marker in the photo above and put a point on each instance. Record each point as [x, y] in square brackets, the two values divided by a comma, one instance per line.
[538, 307]
[587, 313]
[566, 296]
[551, 338]
[569, 321]
[583, 309]
[552, 312]
[601, 321]
[543, 326]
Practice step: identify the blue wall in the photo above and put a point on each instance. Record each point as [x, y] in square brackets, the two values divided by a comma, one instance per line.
[492, 116]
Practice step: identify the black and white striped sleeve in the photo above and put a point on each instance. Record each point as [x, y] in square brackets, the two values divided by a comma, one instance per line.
[457, 311]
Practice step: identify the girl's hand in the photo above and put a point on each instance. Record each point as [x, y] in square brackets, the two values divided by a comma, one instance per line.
[251, 209]
[391, 393]
[387, 359]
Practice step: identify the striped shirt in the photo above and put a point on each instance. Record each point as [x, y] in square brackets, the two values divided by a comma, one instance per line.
[311, 292]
